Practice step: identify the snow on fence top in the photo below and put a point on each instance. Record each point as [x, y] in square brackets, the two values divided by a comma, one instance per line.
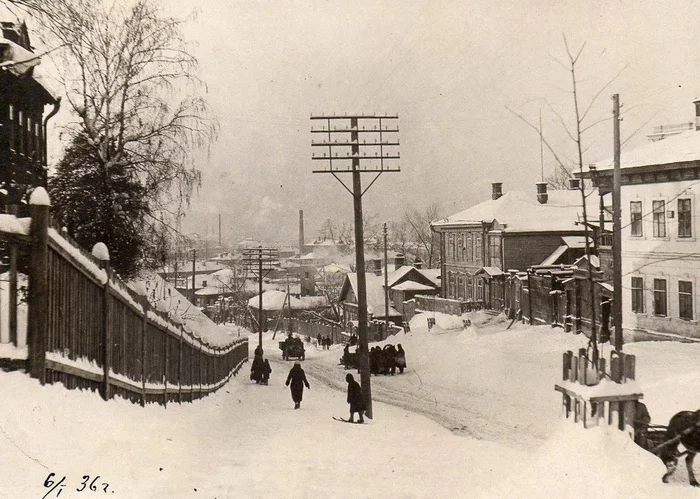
[201, 331]
[39, 197]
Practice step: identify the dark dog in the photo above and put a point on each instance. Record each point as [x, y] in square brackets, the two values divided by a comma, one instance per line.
[683, 428]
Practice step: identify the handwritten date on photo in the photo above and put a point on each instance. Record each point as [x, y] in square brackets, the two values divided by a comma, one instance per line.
[87, 484]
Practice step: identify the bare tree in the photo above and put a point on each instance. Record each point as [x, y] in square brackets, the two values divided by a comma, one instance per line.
[130, 81]
[565, 167]
[424, 237]
[330, 284]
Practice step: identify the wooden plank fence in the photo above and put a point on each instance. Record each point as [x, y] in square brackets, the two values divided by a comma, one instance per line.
[585, 400]
[87, 329]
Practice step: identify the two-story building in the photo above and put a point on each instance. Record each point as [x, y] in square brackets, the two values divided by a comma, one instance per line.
[660, 193]
[509, 231]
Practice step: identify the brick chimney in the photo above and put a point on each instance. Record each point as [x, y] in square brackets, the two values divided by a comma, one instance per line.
[418, 263]
[542, 195]
[496, 190]
[697, 114]
[399, 260]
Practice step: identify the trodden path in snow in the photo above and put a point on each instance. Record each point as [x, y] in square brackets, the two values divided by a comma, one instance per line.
[493, 384]
[244, 441]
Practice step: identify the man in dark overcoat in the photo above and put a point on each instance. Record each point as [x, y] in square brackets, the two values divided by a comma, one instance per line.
[296, 379]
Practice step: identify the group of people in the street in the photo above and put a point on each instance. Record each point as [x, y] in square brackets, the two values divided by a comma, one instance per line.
[296, 381]
[386, 360]
[324, 342]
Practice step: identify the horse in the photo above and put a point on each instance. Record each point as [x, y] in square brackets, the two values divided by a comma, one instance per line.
[683, 428]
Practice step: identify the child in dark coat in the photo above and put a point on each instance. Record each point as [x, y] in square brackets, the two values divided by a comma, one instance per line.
[296, 381]
[355, 399]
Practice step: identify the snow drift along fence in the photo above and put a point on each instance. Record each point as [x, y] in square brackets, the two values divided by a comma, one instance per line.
[87, 329]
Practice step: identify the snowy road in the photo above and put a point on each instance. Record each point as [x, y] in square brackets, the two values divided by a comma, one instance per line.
[464, 380]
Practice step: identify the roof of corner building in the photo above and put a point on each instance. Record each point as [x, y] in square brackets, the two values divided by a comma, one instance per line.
[679, 148]
[520, 212]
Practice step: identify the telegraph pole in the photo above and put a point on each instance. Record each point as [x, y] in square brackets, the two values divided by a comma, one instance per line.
[386, 286]
[617, 227]
[260, 262]
[343, 145]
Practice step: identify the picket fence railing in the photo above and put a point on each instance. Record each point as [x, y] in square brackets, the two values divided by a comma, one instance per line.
[87, 329]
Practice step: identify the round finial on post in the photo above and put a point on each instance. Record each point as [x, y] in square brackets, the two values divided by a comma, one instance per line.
[100, 252]
[39, 197]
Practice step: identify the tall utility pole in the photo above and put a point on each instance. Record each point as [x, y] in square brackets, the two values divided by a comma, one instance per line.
[341, 141]
[260, 262]
[386, 286]
[617, 227]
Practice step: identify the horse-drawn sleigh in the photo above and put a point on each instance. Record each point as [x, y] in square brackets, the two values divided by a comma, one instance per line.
[663, 441]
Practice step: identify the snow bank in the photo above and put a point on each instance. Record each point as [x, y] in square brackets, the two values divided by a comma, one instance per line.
[600, 462]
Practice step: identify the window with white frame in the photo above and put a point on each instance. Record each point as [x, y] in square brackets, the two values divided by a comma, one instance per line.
[658, 210]
[637, 286]
[636, 218]
[660, 297]
[685, 219]
[685, 300]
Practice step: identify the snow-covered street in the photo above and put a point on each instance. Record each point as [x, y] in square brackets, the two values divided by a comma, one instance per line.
[248, 441]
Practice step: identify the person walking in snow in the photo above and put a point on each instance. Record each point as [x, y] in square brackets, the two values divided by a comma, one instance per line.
[355, 399]
[400, 358]
[296, 379]
[266, 370]
[256, 369]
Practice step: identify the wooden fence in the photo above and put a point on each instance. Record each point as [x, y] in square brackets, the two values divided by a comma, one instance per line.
[311, 328]
[601, 393]
[87, 329]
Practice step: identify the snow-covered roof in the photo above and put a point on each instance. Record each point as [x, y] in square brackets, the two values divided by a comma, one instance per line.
[574, 242]
[16, 59]
[212, 291]
[334, 268]
[375, 293]
[275, 300]
[556, 254]
[520, 212]
[680, 148]
[432, 274]
[226, 272]
[491, 271]
[412, 286]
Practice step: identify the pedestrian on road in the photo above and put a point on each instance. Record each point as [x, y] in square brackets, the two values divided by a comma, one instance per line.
[296, 381]
[266, 370]
[355, 399]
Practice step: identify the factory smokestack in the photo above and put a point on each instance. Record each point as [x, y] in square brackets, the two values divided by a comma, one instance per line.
[301, 232]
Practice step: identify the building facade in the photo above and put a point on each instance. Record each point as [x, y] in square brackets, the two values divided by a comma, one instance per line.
[660, 192]
[509, 231]
[23, 97]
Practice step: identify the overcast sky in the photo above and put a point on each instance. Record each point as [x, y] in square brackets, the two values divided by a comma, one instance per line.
[448, 68]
